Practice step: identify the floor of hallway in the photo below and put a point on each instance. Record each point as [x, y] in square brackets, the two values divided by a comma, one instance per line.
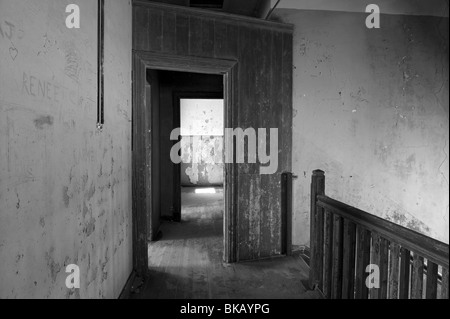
[187, 263]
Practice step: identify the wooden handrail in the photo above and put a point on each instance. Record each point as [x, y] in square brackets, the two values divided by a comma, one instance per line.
[429, 248]
[345, 241]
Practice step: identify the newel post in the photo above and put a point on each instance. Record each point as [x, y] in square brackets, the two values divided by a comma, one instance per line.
[316, 231]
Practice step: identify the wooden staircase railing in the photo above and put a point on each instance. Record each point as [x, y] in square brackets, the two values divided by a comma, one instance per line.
[346, 242]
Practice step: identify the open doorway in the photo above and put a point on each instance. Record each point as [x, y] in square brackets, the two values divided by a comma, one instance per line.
[159, 84]
[187, 192]
[201, 172]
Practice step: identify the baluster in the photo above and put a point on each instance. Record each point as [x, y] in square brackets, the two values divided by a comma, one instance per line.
[384, 268]
[405, 273]
[362, 261]
[444, 287]
[375, 260]
[328, 255]
[394, 268]
[348, 279]
[432, 278]
[336, 289]
[316, 231]
[417, 278]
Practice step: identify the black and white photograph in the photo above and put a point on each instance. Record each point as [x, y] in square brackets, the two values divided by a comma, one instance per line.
[224, 158]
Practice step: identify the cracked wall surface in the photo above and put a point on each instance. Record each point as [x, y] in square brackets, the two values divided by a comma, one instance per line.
[202, 158]
[202, 142]
[371, 110]
[65, 187]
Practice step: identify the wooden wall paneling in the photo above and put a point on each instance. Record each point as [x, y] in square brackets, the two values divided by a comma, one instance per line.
[220, 39]
[269, 183]
[182, 34]
[155, 27]
[276, 104]
[287, 110]
[208, 33]
[141, 29]
[169, 33]
[245, 117]
[233, 43]
[195, 36]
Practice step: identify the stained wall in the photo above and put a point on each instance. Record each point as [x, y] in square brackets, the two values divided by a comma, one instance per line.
[65, 186]
[371, 110]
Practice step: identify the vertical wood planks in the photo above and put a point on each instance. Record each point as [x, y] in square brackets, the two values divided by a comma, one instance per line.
[195, 36]
[432, 279]
[348, 279]
[338, 227]
[169, 33]
[405, 266]
[394, 271]
[141, 33]
[362, 261]
[268, 119]
[316, 224]
[182, 34]
[208, 38]
[276, 103]
[225, 40]
[155, 28]
[285, 126]
[417, 278]
[220, 39]
[328, 254]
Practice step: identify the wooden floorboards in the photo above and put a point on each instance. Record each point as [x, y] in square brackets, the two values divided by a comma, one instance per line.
[187, 263]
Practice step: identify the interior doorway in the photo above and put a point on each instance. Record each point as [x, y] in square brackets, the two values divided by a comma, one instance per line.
[150, 69]
[188, 170]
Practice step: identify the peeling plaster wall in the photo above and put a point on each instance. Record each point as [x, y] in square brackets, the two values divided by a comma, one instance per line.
[202, 158]
[65, 188]
[371, 109]
[202, 130]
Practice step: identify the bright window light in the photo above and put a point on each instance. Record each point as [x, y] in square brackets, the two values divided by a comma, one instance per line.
[205, 191]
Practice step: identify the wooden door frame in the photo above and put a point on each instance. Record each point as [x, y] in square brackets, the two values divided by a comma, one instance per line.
[141, 147]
